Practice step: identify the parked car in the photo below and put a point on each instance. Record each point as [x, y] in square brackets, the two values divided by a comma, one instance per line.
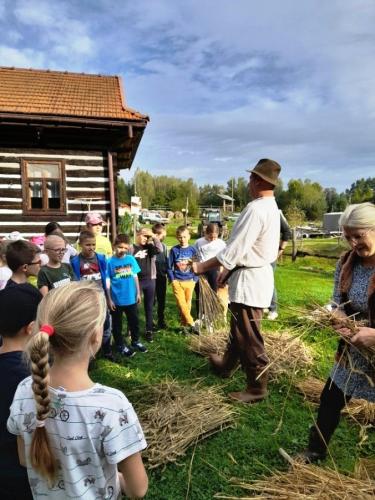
[213, 215]
[152, 218]
[234, 216]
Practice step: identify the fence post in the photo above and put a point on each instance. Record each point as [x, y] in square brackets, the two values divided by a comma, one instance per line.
[294, 244]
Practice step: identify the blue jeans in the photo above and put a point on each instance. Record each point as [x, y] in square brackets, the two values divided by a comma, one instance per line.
[273, 306]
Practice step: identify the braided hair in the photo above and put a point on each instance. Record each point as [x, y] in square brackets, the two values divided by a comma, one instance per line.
[74, 312]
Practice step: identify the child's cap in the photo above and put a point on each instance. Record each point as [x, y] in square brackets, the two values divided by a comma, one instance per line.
[38, 240]
[94, 218]
[14, 236]
[18, 306]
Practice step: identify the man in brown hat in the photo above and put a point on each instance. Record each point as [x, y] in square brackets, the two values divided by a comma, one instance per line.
[247, 259]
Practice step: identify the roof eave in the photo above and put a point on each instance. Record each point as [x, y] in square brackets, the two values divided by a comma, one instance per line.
[66, 120]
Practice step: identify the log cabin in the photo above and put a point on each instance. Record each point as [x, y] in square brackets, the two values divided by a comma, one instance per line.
[64, 137]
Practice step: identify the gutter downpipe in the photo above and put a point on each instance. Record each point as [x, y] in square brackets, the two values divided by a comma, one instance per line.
[112, 197]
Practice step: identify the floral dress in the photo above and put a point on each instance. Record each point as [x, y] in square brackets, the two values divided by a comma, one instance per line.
[353, 384]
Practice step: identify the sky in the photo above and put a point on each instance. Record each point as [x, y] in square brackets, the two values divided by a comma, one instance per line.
[225, 82]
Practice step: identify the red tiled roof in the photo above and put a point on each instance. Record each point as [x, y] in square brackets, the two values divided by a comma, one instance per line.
[44, 92]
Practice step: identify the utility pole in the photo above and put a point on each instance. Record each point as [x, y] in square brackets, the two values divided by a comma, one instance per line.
[232, 194]
[135, 220]
[135, 181]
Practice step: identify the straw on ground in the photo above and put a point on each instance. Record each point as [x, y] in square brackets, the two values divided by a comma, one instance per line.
[287, 352]
[306, 482]
[174, 417]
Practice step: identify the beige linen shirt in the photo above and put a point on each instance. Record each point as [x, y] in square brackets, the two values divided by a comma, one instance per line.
[254, 244]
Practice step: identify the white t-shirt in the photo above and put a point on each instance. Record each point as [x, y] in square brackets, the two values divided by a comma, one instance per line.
[70, 252]
[207, 249]
[254, 244]
[89, 431]
[5, 274]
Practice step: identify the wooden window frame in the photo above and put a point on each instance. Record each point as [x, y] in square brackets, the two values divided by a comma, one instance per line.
[26, 201]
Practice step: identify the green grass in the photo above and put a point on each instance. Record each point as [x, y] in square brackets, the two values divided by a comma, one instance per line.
[249, 450]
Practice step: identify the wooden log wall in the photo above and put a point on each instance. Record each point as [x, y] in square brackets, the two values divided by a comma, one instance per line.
[87, 188]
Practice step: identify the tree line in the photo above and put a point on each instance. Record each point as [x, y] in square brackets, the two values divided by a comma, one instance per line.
[301, 199]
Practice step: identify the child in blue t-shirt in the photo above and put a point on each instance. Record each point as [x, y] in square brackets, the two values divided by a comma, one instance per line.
[122, 270]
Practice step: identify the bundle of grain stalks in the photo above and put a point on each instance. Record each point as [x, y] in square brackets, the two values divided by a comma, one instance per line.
[212, 312]
[306, 482]
[205, 345]
[360, 410]
[174, 417]
[326, 318]
[287, 352]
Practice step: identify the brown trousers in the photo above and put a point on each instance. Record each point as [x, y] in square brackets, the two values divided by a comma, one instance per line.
[246, 342]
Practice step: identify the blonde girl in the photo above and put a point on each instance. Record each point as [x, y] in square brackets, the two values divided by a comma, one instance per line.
[73, 434]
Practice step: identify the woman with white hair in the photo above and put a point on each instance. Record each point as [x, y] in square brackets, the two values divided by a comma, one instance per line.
[353, 376]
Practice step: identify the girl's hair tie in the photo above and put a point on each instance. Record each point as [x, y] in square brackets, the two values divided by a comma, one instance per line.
[48, 329]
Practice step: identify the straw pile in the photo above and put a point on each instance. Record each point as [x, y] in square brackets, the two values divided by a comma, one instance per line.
[359, 410]
[307, 482]
[212, 311]
[287, 353]
[365, 469]
[176, 417]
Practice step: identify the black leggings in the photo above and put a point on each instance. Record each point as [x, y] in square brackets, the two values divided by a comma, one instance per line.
[147, 287]
[332, 401]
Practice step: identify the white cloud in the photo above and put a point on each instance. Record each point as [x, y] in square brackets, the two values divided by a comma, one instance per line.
[26, 58]
[59, 28]
[224, 82]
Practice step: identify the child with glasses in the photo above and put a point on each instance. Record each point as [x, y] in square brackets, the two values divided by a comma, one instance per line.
[23, 259]
[55, 273]
[54, 227]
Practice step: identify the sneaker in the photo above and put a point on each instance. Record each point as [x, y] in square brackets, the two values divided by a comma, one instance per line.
[138, 346]
[307, 457]
[126, 351]
[196, 327]
[149, 337]
[272, 315]
[162, 326]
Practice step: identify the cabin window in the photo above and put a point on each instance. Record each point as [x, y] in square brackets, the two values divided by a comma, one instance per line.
[43, 186]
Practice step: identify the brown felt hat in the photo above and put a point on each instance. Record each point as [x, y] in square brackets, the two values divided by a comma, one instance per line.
[268, 170]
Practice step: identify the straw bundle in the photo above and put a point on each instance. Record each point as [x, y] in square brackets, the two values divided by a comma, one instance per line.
[326, 318]
[359, 410]
[212, 311]
[209, 344]
[307, 482]
[175, 417]
[287, 353]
